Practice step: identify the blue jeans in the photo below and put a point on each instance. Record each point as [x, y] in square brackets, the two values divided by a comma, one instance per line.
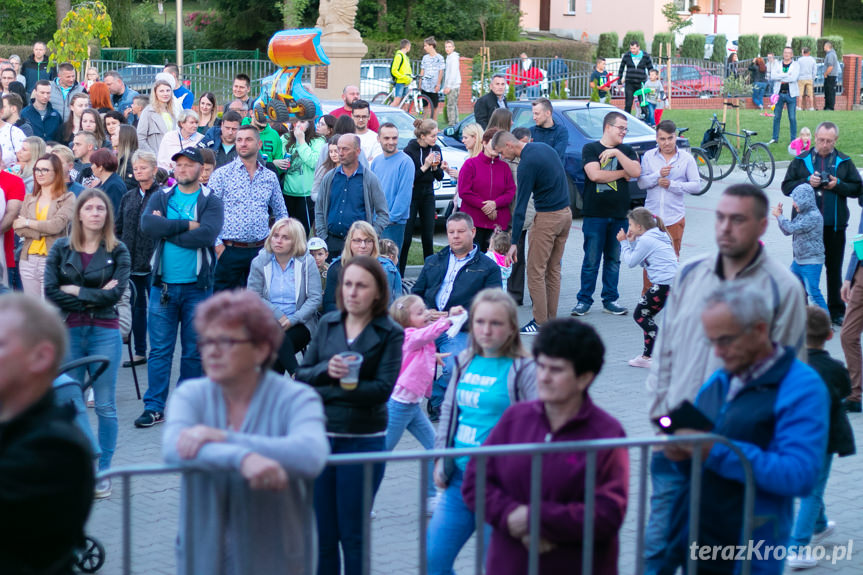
[89, 340]
[68, 390]
[811, 517]
[810, 275]
[452, 346]
[396, 233]
[162, 326]
[339, 506]
[401, 90]
[410, 416]
[449, 529]
[666, 482]
[758, 89]
[600, 243]
[791, 103]
[650, 109]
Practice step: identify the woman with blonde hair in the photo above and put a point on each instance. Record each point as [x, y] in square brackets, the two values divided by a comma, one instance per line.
[361, 240]
[429, 165]
[471, 137]
[126, 146]
[185, 136]
[30, 151]
[286, 277]
[157, 119]
[43, 219]
[85, 277]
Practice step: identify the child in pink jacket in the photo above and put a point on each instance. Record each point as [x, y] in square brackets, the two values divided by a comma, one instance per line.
[419, 366]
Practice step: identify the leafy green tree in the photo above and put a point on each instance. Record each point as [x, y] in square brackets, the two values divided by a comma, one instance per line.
[85, 23]
[676, 22]
[23, 21]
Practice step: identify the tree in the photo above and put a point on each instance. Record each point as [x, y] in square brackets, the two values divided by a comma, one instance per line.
[24, 21]
[85, 23]
[63, 7]
[292, 12]
[676, 22]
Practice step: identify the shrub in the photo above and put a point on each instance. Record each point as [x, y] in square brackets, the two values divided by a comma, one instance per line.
[664, 39]
[693, 46]
[773, 43]
[566, 49]
[837, 45]
[720, 41]
[747, 46]
[798, 42]
[608, 47]
[632, 37]
[510, 93]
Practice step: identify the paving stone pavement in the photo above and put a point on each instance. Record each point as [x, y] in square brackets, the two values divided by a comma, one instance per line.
[619, 389]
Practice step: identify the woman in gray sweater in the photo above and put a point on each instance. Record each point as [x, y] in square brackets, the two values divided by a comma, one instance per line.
[260, 441]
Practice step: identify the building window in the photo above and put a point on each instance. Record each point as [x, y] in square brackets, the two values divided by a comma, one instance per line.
[775, 7]
[685, 5]
[570, 7]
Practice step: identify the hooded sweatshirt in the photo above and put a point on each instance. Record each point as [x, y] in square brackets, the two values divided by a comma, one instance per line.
[652, 251]
[481, 179]
[806, 227]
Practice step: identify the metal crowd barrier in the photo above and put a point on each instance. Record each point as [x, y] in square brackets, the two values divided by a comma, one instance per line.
[481, 455]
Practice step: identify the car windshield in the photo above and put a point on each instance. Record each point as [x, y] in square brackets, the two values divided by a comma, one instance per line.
[589, 121]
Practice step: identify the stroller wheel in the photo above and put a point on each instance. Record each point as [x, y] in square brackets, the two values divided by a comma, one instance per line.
[91, 557]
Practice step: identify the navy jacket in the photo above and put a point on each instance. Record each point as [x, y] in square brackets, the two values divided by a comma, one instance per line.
[213, 141]
[479, 273]
[210, 213]
[34, 71]
[49, 129]
[838, 382]
[557, 137]
[832, 203]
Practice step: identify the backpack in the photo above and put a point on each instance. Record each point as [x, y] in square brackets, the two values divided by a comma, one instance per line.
[710, 135]
[393, 65]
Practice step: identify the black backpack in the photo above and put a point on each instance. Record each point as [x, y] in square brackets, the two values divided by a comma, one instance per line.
[714, 133]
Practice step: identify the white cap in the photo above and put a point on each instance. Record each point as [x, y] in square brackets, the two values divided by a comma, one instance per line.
[317, 244]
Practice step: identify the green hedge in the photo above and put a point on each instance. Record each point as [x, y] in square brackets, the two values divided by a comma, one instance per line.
[773, 43]
[693, 46]
[720, 42]
[566, 49]
[22, 50]
[665, 39]
[837, 45]
[632, 37]
[747, 46]
[798, 42]
[608, 46]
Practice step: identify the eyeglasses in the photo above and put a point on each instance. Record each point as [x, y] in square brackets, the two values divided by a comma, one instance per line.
[621, 129]
[365, 242]
[361, 116]
[724, 341]
[42, 171]
[221, 343]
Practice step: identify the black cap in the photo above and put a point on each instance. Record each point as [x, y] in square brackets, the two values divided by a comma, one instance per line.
[193, 154]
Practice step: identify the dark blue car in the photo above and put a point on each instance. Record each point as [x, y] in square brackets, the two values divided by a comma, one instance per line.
[583, 121]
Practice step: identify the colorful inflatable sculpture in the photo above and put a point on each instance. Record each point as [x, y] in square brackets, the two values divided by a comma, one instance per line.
[286, 97]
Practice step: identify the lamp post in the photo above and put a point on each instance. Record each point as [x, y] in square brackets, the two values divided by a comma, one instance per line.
[180, 36]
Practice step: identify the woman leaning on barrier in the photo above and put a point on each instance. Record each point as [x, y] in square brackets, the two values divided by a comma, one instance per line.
[264, 430]
[493, 373]
[569, 355]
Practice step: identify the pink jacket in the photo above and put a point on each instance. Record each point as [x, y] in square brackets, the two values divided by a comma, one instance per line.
[482, 178]
[418, 360]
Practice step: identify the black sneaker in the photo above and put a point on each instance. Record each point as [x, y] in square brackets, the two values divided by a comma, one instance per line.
[150, 418]
[852, 406]
[530, 328]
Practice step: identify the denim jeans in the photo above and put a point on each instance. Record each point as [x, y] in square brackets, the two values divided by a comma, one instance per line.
[68, 390]
[396, 233]
[600, 243]
[758, 89]
[410, 416]
[339, 506]
[810, 275]
[452, 346]
[811, 517]
[791, 104]
[666, 482]
[449, 529]
[90, 340]
[164, 319]
[139, 312]
[650, 110]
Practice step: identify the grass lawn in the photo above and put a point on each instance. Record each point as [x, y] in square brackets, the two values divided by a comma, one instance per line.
[850, 127]
[415, 255]
[851, 32]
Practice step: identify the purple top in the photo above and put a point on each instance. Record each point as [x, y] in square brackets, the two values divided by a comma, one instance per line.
[480, 179]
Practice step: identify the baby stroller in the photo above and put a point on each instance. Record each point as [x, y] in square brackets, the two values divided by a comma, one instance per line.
[91, 556]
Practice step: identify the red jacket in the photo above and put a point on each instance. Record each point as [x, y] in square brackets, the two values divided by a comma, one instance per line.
[480, 179]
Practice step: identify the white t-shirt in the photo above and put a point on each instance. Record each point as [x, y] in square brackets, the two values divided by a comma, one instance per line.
[370, 145]
[11, 139]
[452, 73]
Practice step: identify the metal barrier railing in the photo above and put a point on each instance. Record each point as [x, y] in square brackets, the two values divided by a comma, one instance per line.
[481, 455]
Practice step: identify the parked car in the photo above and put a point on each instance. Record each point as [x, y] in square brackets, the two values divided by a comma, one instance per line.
[583, 121]
[140, 77]
[374, 78]
[691, 80]
[444, 190]
[730, 46]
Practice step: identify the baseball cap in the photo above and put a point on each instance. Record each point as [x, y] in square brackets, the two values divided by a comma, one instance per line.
[317, 244]
[193, 154]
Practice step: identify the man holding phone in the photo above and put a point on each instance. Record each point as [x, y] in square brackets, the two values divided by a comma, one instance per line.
[775, 409]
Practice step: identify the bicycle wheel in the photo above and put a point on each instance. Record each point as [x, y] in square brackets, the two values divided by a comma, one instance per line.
[722, 157]
[705, 169]
[381, 98]
[417, 105]
[759, 165]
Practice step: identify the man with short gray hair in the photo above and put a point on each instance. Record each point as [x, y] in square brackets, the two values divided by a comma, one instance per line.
[121, 95]
[348, 193]
[496, 98]
[774, 408]
[831, 73]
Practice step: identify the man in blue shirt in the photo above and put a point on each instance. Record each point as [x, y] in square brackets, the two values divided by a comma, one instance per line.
[349, 193]
[181, 93]
[121, 95]
[395, 170]
[184, 221]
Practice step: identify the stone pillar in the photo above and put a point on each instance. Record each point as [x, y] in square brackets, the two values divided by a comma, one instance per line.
[465, 91]
[850, 80]
[345, 56]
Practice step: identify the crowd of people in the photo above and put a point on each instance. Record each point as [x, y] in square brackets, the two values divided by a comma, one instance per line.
[277, 253]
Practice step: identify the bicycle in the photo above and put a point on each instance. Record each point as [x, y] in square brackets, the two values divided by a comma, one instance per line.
[705, 168]
[756, 160]
[414, 102]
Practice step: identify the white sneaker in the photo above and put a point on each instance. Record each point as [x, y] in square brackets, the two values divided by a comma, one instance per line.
[811, 109]
[801, 561]
[91, 398]
[822, 535]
